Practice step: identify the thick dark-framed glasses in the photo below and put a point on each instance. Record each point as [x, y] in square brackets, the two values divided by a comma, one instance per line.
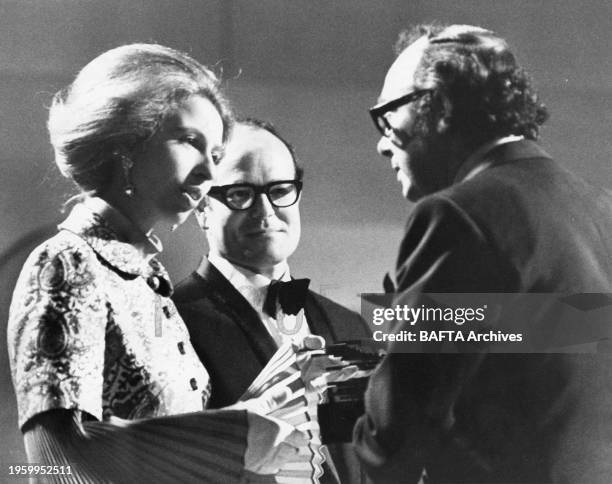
[379, 111]
[241, 196]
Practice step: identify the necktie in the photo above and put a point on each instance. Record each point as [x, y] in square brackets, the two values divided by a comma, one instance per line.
[291, 295]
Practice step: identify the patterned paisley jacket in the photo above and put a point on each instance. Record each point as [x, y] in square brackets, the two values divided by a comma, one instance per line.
[91, 327]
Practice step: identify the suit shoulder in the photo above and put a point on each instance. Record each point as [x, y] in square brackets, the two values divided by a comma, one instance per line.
[339, 315]
[504, 201]
[188, 290]
[517, 184]
[442, 214]
[327, 303]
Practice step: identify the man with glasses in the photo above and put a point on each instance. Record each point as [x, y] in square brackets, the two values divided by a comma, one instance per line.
[241, 303]
[493, 213]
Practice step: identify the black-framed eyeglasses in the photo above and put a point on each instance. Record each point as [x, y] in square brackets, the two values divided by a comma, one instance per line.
[379, 111]
[241, 196]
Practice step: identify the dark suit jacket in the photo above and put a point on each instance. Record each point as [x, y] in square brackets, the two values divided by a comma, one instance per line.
[522, 225]
[232, 342]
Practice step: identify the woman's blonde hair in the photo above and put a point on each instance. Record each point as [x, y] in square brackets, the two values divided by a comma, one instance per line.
[117, 102]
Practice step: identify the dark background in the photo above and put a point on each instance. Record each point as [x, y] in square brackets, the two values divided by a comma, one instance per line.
[310, 66]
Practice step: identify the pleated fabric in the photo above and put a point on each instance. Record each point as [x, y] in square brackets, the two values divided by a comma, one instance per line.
[283, 371]
[203, 447]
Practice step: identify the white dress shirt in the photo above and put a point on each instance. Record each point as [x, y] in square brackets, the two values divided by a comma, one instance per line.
[254, 287]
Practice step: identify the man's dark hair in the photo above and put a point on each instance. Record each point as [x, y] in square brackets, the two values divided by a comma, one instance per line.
[269, 127]
[490, 94]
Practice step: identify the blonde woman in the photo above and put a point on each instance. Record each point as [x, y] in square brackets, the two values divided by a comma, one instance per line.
[108, 385]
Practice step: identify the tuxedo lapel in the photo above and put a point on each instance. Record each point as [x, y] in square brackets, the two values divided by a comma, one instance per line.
[318, 321]
[229, 301]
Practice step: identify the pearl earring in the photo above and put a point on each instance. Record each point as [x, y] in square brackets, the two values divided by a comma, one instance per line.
[200, 213]
[127, 164]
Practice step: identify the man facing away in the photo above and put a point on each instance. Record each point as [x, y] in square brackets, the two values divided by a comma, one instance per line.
[235, 309]
[494, 213]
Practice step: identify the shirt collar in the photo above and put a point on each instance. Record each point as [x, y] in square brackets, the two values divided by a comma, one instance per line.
[114, 238]
[251, 285]
[477, 161]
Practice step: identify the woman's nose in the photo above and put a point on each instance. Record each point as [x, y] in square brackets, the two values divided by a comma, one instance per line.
[203, 171]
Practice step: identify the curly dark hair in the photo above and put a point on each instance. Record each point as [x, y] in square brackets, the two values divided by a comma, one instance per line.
[491, 95]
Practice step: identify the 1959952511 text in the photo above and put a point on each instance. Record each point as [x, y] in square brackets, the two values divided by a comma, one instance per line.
[30, 470]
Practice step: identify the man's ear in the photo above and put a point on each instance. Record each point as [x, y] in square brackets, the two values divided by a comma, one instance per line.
[445, 111]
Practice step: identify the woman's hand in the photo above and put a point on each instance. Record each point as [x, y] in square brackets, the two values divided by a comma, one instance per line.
[270, 442]
[307, 369]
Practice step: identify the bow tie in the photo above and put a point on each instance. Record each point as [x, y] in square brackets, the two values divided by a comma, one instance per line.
[291, 295]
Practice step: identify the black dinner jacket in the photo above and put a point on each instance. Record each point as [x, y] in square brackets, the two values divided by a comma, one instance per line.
[523, 225]
[230, 338]
[232, 342]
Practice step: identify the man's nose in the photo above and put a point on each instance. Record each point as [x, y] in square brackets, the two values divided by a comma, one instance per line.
[262, 206]
[384, 147]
